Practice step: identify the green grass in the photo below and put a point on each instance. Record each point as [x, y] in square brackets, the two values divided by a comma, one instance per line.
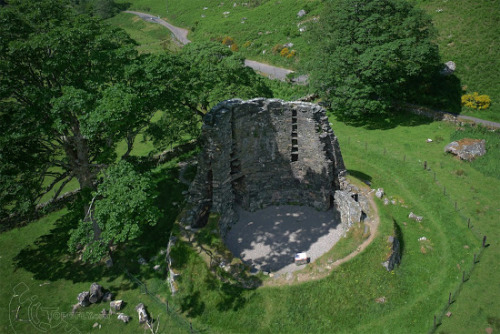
[467, 35]
[418, 289]
[151, 37]
[36, 256]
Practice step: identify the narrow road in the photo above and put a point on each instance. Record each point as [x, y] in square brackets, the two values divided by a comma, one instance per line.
[272, 72]
[179, 33]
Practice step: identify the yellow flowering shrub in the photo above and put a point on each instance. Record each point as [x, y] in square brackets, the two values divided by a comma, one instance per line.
[247, 44]
[234, 47]
[476, 101]
[227, 41]
[291, 54]
[284, 52]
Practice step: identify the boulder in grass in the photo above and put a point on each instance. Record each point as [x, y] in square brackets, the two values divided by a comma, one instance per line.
[379, 193]
[83, 298]
[95, 293]
[116, 305]
[415, 217]
[141, 313]
[123, 317]
[467, 149]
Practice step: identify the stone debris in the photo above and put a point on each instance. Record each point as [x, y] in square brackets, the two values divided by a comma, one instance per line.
[116, 305]
[429, 140]
[394, 257]
[380, 300]
[104, 313]
[467, 149]
[415, 217]
[301, 13]
[142, 261]
[123, 317]
[379, 193]
[96, 294]
[96, 324]
[448, 314]
[449, 67]
[141, 313]
[386, 201]
[422, 239]
[83, 298]
[157, 267]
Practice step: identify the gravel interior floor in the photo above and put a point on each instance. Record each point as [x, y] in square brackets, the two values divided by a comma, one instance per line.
[268, 239]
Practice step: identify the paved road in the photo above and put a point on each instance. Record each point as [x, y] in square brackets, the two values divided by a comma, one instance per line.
[273, 72]
[488, 124]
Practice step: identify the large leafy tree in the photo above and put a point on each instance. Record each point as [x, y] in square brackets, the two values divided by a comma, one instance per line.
[71, 89]
[371, 53]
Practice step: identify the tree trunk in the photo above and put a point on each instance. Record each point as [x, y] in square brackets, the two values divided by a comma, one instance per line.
[77, 150]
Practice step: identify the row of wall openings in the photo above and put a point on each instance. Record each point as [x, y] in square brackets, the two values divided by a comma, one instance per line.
[295, 144]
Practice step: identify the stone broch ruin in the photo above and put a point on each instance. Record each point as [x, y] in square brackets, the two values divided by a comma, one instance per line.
[264, 152]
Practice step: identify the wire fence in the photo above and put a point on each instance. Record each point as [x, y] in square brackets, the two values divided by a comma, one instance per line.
[453, 203]
[182, 322]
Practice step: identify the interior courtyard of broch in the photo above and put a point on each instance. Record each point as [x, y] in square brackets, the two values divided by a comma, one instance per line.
[274, 173]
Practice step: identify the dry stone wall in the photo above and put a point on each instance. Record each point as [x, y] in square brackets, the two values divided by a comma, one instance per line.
[266, 152]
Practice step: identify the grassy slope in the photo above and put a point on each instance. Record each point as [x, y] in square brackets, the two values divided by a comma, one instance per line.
[418, 290]
[467, 32]
[469, 35]
[37, 254]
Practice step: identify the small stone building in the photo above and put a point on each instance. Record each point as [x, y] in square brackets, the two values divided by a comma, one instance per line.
[266, 152]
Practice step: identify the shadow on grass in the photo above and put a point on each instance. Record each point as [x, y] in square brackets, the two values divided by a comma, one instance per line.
[360, 175]
[387, 120]
[48, 257]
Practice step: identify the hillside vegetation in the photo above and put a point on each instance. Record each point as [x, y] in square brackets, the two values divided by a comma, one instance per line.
[467, 35]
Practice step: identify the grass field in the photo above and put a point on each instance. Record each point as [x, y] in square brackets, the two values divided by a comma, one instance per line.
[388, 153]
[430, 270]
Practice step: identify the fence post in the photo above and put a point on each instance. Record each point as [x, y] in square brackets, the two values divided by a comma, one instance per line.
[468, 222]
[463, 276]
[425, 164]
[484, 241]
[435, 322]
[449, 299]
[474, 259]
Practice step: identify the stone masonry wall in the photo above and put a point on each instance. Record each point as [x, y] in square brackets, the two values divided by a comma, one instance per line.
[264, 152]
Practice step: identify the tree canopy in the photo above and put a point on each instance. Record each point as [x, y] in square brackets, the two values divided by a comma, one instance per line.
[371, 53]
[73, 88]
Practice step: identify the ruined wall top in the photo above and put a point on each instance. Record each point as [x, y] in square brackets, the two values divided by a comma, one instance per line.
[265, 152]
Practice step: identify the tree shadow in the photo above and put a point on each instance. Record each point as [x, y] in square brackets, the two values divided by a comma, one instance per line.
[444, 93]
[47, 258]
[387, 120]
[192, 305]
